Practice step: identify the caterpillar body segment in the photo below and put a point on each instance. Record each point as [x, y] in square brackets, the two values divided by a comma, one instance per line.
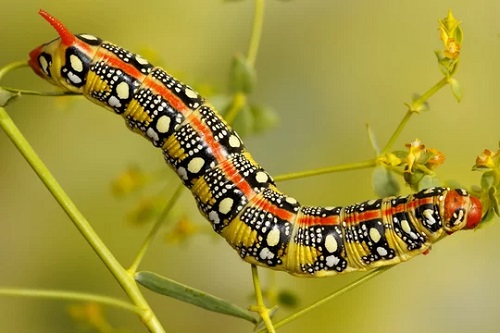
[235, 194]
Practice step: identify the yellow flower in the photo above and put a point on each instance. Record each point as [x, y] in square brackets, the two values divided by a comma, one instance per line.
[416, 148]
[91, 314]
[183, 229]
[452, 50]
[130, 180]
[488, 159]
[436, 159]
[451, 34]
[390, 160]
[148, 209]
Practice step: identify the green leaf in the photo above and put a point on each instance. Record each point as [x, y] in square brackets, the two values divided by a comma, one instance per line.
[288, 299]
[494, 201]
[242, 75]
[243, 124]
[171, 288]
[413, 179]
[488, 180]
[443, 62]
[428, 181]
[493, 209]
[384, 183]
[422, 107]
[456, 89]
[6, 96]
[264, 118]
[453, 183]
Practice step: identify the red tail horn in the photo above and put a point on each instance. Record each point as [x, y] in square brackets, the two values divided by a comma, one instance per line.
[66, 36]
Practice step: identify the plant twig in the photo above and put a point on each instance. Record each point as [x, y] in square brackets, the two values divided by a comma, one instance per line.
[125, 280]
[413, 108]
[330, 297]
[70, 296]
[321, 171]
[147, 242]
[260, 307]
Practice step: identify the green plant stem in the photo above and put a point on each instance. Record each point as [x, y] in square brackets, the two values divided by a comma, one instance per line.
[147, 242]
[20, 64]
[238, 102]
[413, 108]
[330, 297]
[12, 66]
[125, 280]
[258, 20]
[260, 307]
[239, 98]
[41, 93]
[320, 171]
[70, 296]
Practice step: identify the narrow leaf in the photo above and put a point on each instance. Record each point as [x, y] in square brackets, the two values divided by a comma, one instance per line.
[184, 293]
[456, 89]
[373, 139]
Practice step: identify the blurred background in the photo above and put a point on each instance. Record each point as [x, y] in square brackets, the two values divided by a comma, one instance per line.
[328, 68]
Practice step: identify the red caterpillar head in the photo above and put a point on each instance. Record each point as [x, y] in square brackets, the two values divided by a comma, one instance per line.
[461, 211]
[64, 61]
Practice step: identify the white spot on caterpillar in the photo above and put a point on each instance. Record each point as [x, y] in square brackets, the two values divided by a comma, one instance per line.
[122, 90]
[428, 215]
[332, 261]
[406, 226]
[152, 134]
[114, 102]
[261, 177]
[163, 124]
[44, 64]
[190, 93]
[381, 251]
[265, 253]
[459, 217]
[273, 237]
[88, 37]
[195, 165]
[182, 173]
[331, 243]
[214, 217]
[141, 60]
[75, 63]
[291, 200]
[73, 78]
[225, 205]
[375, 235]
[234, 141]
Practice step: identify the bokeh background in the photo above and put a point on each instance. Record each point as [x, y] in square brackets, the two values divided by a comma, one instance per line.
[328, 68]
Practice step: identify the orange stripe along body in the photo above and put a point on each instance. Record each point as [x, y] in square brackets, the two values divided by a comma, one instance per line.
[232, 191]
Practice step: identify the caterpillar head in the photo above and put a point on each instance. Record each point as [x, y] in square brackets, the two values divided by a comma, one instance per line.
[64, 61]
[462, 211]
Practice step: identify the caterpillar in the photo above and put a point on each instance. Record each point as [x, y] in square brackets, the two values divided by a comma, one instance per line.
[232, 191]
